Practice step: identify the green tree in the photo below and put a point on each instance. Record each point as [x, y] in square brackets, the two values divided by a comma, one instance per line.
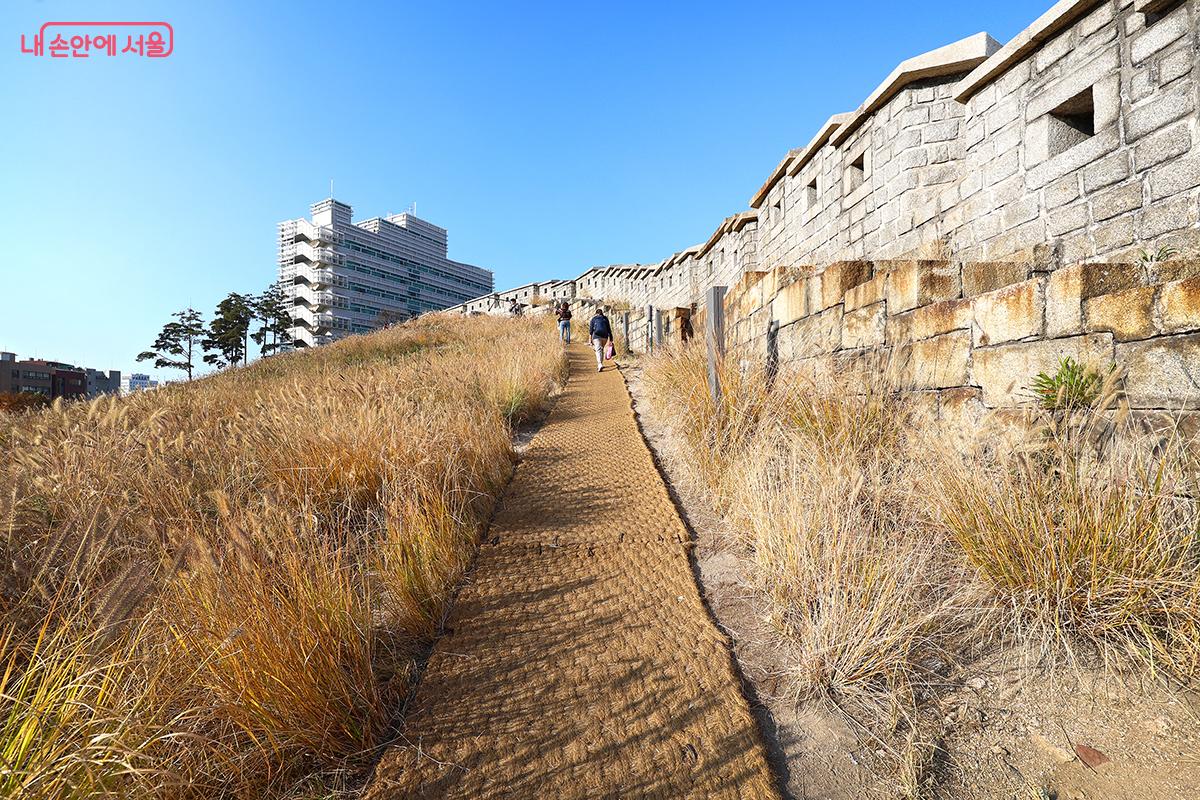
[274, 315]
[229, 331]
[178, 343]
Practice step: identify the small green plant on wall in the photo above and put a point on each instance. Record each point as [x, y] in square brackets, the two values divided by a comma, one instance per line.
[1157, 256]
[1073, 386]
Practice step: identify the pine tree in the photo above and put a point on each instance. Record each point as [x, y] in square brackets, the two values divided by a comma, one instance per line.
[274, 314]
[178, 343]
[229, 331]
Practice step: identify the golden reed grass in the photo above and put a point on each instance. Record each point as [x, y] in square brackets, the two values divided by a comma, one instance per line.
[218, 589]
[883, 555]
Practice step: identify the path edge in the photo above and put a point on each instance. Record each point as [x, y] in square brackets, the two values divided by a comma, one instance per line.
[763, 718]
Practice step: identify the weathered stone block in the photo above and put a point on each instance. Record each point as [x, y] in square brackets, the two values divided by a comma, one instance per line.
[1067, 288]
[812, 370]
[1113, 234]
[937, 363]
[1175, 65]
[791, 302]
[775, 279]
[1166, 144]
[1062, 191]
[1127, 315]
[960, 414]
[918, 283]
[866, 294]
[837, 278]
[1175, 269]
[1014, 312]
[1067, 219]
[744, 297]
[815, 334]
[1005, 372]
[1171, 215]
[1117, 200]
[960, 402]
[1162, 372]
[940, 131]
[1178, 176]
[923, 406]
[1158, 112]
[863, 327]
[1014, 241]
[987, 276]
[1179, 305]
[1106, 172]
[898, 329]
[938, 318]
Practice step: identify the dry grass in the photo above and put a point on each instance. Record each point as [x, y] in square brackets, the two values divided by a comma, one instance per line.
[826, 487]
[218, 589]
[882, 556]
[1089, 535]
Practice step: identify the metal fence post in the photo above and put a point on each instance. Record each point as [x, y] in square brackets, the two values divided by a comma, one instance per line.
[649, 329]
[625, 331]
[714, 337]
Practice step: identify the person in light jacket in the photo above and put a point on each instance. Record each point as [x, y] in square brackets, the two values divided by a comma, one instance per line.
[601, 334]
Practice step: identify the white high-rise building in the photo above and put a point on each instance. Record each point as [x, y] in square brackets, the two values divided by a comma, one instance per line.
[345, 277]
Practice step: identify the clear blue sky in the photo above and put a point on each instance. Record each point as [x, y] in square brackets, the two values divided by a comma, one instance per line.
[547, 137]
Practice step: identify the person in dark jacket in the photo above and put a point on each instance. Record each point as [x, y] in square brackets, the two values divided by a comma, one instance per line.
[600, 333]
[563, 312]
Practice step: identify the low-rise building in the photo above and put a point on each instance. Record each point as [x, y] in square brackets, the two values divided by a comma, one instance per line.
[54, 378]
[99, 383]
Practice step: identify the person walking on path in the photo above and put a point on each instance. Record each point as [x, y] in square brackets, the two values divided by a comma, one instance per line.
[600, 333]
[563, 312]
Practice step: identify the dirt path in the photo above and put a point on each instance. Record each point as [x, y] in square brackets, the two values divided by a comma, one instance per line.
[579, 660]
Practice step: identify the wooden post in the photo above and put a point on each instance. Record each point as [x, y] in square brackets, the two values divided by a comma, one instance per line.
[714, 337]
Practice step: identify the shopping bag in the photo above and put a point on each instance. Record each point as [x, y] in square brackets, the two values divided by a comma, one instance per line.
[610, 352]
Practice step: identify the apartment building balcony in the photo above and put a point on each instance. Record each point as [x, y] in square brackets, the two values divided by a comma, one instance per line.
[312, 297]
[305, 317]
[315, 233]
[307, 252]
[313, 275]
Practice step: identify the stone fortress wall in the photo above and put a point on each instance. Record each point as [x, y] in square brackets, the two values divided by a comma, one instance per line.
[984, 212]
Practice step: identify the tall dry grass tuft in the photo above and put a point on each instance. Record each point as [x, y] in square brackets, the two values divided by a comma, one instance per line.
[882, 555]
[1088, 534]
[824, 482]
[716, 433]
[219, 589]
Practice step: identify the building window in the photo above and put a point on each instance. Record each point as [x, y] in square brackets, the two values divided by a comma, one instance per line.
[1155, 10]
[1072, 122]
[856, 173]
[810, 193]
[778, 210]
